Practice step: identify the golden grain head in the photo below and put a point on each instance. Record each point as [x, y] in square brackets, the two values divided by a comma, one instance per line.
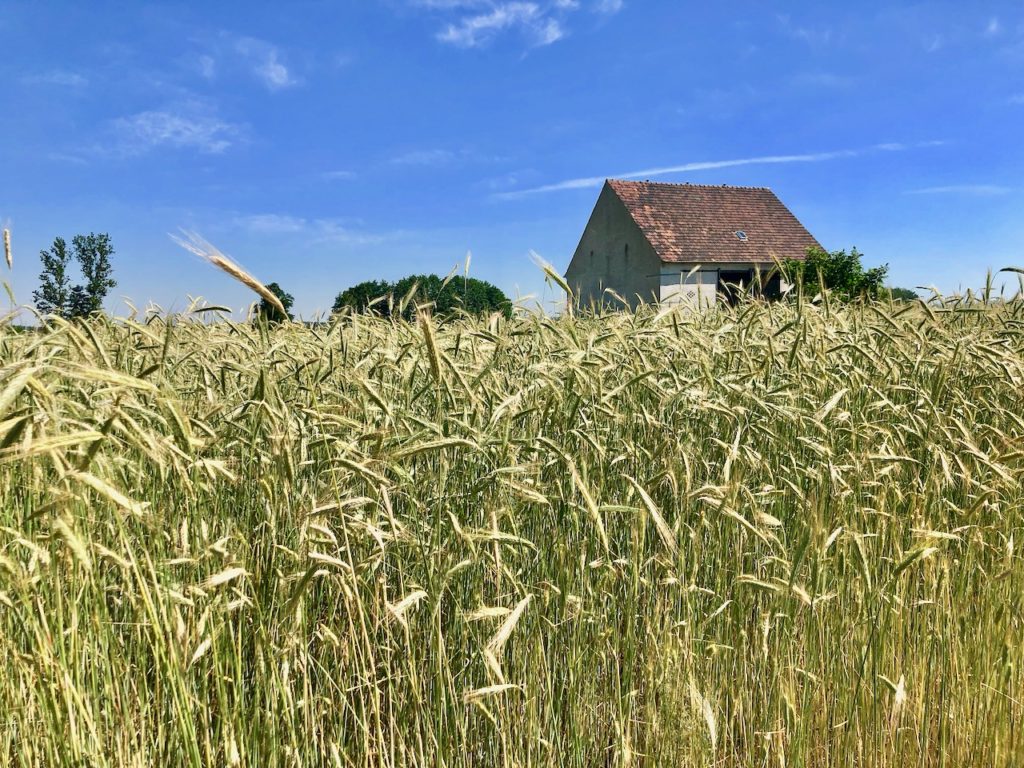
[7, 249]
[194, 243]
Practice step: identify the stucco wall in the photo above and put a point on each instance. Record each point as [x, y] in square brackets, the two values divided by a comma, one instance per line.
[688, 284]
[603, 261]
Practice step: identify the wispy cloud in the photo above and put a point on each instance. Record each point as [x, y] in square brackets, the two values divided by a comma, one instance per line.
[822, 80]
[811, 35]
[1016, 99]
[591, 182]
[59, 77]
[427, 157]
[227, 55]
[447, 5]
[270, 223]
[478, 29]
[266, 64]
[185, 128]
[274, 74]
[206, 66]
[970, 190]
[313, 229]
[476, 23]
[934, 43]
[439, 157]
[338, 175]
[993, 28]
[327, 231]
[67, 158]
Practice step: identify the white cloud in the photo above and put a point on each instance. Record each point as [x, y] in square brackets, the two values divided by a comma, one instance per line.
[971, 190]
[477, 29]
[817, 36]
[550, 32]
[591, 182]
[608, 6]
[265, 63]
[230, 55]
[476, 23]
[270, 223]
[437, 158]
[993, 28]
[338, 175]
[66, 157]
[185, 129]
[451, 4]
[427, 157]
[275, 74]
[314, 230]
[327, 231]
[822, 80]
[56, 77]
[445, 5]
[207, 66]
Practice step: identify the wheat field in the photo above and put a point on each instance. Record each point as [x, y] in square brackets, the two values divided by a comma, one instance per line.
[775, 535]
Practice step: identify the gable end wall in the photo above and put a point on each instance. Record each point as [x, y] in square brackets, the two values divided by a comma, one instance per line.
[635, 277]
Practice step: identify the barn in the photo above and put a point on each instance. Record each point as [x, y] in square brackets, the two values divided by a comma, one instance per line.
[683, 243]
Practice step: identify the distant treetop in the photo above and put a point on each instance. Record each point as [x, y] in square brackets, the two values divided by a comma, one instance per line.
[56, 295]
[902, 294]
[840, 272]
[370, 296]
[272, 313]
[445, 297]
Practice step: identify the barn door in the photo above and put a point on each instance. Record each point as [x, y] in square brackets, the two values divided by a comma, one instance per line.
[734, 283]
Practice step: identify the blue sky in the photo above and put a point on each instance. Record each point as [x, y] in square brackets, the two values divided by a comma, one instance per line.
[325, 143]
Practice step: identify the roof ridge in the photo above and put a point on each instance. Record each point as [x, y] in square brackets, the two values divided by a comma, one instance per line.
[685, 184]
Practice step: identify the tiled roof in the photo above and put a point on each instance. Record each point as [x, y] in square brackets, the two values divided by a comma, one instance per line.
[694, 223]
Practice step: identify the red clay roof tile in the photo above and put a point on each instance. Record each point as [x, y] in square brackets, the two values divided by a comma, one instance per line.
[694, 223]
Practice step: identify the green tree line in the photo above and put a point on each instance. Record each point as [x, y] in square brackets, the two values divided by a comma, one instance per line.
[445, 296]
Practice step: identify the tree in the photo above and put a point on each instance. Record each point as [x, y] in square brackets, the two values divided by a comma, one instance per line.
[56, 296]
[840, 272]
[421, 290]
[54, 286]
[79, 302]
[475, 297]
[445, 297]
[480, 297]
[361, 296]
[902, 294]
[93, 253]
[272, 313]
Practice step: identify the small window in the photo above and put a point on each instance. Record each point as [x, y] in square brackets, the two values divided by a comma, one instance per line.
[741, 236]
